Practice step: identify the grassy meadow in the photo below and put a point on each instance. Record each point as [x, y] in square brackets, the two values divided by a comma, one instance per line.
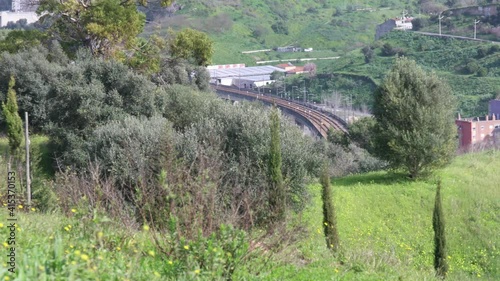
[384, 225]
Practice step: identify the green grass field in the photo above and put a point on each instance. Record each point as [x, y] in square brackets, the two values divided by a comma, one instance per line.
[384, 225]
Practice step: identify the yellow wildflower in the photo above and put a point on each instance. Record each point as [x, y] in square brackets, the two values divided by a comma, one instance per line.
[151, 253]
[73, 262]
[100, 234]
[84, 257]
[1, 224]
[197, 271]
[145, 227]
[5, 244]
[77, 252]
[33, 209]
[73, 210]
[186, 247]
[20, 206]
[157, 274]
[118, 248]
[6, 278]
[170, 262]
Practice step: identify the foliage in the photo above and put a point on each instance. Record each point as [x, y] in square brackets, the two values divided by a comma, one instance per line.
[414, 113]
[118, 141]
[277, 203]
[12, 118]
[361, 132]
[368, 53]
[388, 50]
[329, 216]
[440, 263]
[192, 45]
[90, 245]
[34, 73]
[180, 72]
[446, 56]
[418, 23]
[146, 57]
[103, 26]
[280, 27]
[17, 40]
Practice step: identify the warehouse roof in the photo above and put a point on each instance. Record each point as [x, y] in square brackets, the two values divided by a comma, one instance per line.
[244, 71]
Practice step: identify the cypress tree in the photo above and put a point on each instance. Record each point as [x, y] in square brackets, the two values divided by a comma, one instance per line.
[12, 119]
[329, 218]
[276, 186]
[440, 263]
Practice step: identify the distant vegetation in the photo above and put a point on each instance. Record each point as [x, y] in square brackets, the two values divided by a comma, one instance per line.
[141, 173]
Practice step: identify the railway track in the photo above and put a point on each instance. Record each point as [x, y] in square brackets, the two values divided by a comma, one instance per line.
[321, 122]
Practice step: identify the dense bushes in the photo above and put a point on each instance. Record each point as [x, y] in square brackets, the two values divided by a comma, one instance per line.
[106, 120]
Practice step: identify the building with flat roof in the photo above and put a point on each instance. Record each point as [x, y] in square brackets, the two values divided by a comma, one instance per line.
[251, 82]
[20, 10]
[239, 75]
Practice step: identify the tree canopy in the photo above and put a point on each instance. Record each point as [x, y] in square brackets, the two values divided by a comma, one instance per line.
[14, 122]
[414, 112]
[192, 45]
[104, 26]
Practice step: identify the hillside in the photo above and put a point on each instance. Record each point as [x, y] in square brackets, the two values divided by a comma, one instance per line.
[338, 29]
[239, 25]
[470, 68]
[384, 226]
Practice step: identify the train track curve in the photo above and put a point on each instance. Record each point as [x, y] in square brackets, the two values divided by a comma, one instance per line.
[321, 121]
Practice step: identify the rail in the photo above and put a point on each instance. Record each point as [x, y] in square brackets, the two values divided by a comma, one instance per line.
[321, 121]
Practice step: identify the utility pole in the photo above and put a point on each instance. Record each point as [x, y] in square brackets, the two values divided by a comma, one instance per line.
[403, 19]
[475, 23]
[284, 85]
[305, 92]
[440, 17]
[27, 141]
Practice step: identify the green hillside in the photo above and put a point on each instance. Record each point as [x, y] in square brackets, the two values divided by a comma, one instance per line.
[470, 68]
[240, 25]
[384, 225]
[340, 28]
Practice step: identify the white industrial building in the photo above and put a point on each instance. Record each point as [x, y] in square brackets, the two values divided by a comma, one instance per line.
[241, 76]
[251, 82]
[20, 10]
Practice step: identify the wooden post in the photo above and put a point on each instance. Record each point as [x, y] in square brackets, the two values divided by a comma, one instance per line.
[28, 178]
